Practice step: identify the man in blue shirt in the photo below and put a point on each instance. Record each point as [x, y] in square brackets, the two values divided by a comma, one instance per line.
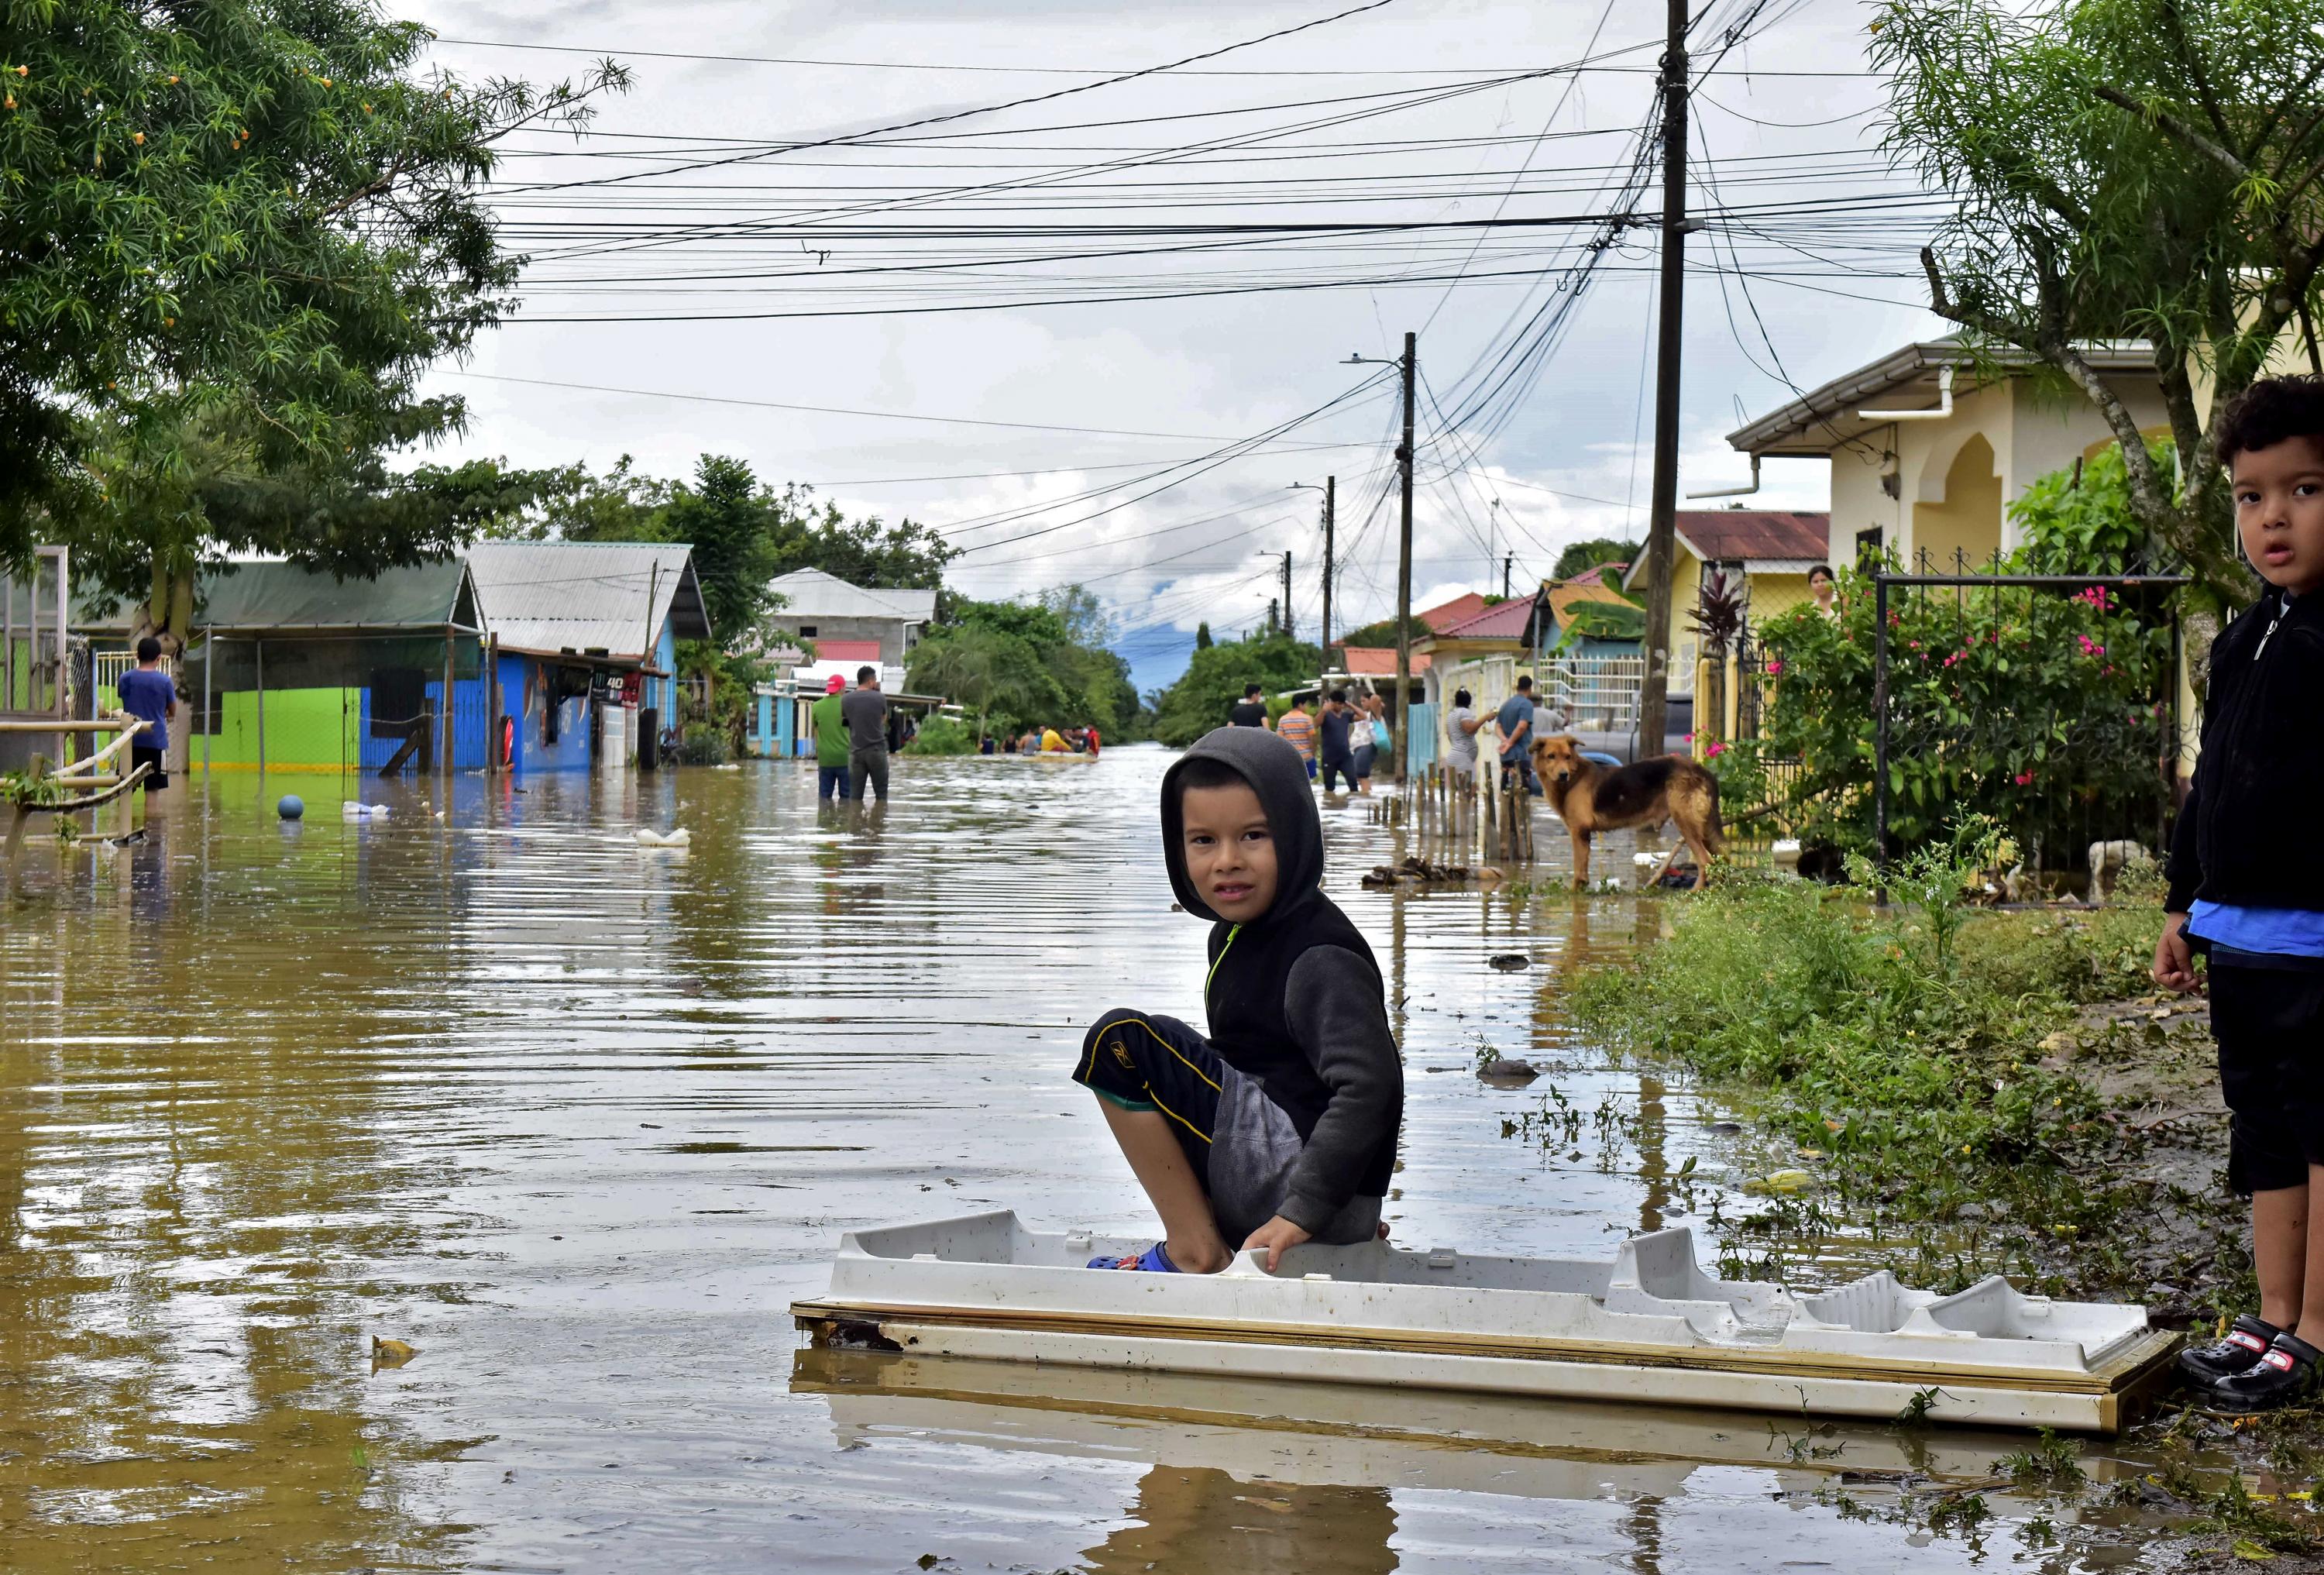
[1516, 724]
[148, 694]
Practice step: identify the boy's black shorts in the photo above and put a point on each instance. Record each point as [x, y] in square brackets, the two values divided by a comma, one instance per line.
[2269, 1022]
[1148, 1062]
[139, 755]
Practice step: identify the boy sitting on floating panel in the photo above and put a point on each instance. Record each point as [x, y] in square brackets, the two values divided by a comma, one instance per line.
[1281, 1127]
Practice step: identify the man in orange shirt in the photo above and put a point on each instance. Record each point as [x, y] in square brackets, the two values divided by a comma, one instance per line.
[1297, 729]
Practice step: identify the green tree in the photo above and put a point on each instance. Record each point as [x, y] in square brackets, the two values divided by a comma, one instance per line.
[169, 499]
[1582, 557]
[572, 504]
[1202, 635]
[245, 225]
[905, 556]
[2139, 170]
[1000, 676]
[725, 519]
[1382, 633]
[1214, 678]
[1015, 663]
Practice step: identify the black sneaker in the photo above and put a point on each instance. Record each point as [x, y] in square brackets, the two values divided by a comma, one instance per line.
[2246, 1341]
[2285, 1376]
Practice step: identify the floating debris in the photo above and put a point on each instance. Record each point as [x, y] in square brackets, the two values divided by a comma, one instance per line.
[649, 838]
[1780, 1183]
[1508, 1072]
[390, 1353]
[1510, 961]
[1420, 872]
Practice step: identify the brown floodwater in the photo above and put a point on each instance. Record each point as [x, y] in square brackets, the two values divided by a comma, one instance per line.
[578, 1120]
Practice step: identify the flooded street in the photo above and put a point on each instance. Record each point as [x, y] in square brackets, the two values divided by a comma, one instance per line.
[578, 1120]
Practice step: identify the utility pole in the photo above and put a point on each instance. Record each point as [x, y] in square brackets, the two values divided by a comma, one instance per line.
[1404, 545]
[1331, 489]
[1509, 562]
[1661, 524]
[1408, 365]
[1286, 596]
[1273, 620]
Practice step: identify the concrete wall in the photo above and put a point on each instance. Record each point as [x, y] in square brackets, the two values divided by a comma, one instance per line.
[887, 631]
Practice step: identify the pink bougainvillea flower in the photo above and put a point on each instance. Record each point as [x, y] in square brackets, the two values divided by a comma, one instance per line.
[1774, 666]
[1714, 748]
[2024, 778]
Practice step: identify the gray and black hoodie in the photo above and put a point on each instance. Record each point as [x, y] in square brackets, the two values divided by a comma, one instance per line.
[1293, 998]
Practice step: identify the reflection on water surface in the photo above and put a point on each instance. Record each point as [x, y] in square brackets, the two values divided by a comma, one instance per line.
[578, 1121]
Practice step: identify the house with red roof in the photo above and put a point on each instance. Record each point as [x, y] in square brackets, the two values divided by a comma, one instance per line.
[1769, 551]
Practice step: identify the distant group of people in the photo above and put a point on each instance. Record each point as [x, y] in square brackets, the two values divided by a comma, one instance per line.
[855, 732]
[1045, 741]
[1339, 742]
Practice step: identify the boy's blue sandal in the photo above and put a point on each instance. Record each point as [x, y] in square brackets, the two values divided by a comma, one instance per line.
[2247, 1340]
[2285, 1376]
[1154, 1260]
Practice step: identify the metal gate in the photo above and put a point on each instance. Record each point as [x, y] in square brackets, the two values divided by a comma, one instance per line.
[35, 665]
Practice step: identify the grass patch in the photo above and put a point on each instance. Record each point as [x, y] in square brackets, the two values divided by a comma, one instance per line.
[1901, 1054]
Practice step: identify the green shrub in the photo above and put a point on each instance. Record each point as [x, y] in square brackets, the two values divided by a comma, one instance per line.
[1915, 1079]
[943, 735]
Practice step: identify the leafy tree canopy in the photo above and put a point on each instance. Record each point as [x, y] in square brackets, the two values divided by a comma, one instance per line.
[2141, 169]
[233, 236]
[1215, 678]
[1582, 557]
[1017, 664]
[1381, 633]
[745, 533]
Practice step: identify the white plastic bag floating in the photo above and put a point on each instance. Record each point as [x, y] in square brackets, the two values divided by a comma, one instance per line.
[649, 838]
[350, 810]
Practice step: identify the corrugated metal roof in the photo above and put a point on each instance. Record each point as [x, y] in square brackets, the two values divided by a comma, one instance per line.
[1764, 540]
[545, 597]
[292, 598]
[1504, 621]
[1377, 661]
[1445, 614]
[813, 594]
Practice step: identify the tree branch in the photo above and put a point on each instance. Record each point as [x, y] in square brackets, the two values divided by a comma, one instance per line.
[2194, 64]
[2173, 125]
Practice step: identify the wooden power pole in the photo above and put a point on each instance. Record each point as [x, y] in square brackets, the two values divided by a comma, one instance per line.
[1331, 489]
[1661, 524]
[1411, 364]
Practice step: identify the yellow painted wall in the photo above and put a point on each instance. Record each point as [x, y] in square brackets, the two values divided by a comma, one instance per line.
[1969, 518]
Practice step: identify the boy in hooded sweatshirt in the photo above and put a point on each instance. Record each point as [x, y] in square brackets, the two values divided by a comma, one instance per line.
[1281, 1126]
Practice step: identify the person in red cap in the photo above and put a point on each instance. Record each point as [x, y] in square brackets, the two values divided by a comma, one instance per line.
[830, 743]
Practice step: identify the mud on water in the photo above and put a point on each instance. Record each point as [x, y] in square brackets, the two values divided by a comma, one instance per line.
[573, 1122]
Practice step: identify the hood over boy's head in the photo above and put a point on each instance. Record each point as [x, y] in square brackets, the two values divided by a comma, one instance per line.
[1276, 775]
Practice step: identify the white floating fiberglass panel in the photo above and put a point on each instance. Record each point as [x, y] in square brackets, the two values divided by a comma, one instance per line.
[1648, 1325]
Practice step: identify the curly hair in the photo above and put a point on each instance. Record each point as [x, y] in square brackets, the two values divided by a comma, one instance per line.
[2270, 411]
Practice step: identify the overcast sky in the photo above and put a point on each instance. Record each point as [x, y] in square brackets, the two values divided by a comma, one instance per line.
[838, 276]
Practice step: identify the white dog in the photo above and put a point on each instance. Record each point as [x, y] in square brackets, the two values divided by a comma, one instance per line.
[2107, 860]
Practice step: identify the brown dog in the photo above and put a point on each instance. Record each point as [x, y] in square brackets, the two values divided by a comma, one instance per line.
[1589, 797]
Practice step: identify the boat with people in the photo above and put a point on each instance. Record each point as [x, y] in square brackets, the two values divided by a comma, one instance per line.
[1647, 1325]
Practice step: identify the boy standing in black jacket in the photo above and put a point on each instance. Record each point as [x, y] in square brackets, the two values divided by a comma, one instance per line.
[2247, 887]
[1280, 1127]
